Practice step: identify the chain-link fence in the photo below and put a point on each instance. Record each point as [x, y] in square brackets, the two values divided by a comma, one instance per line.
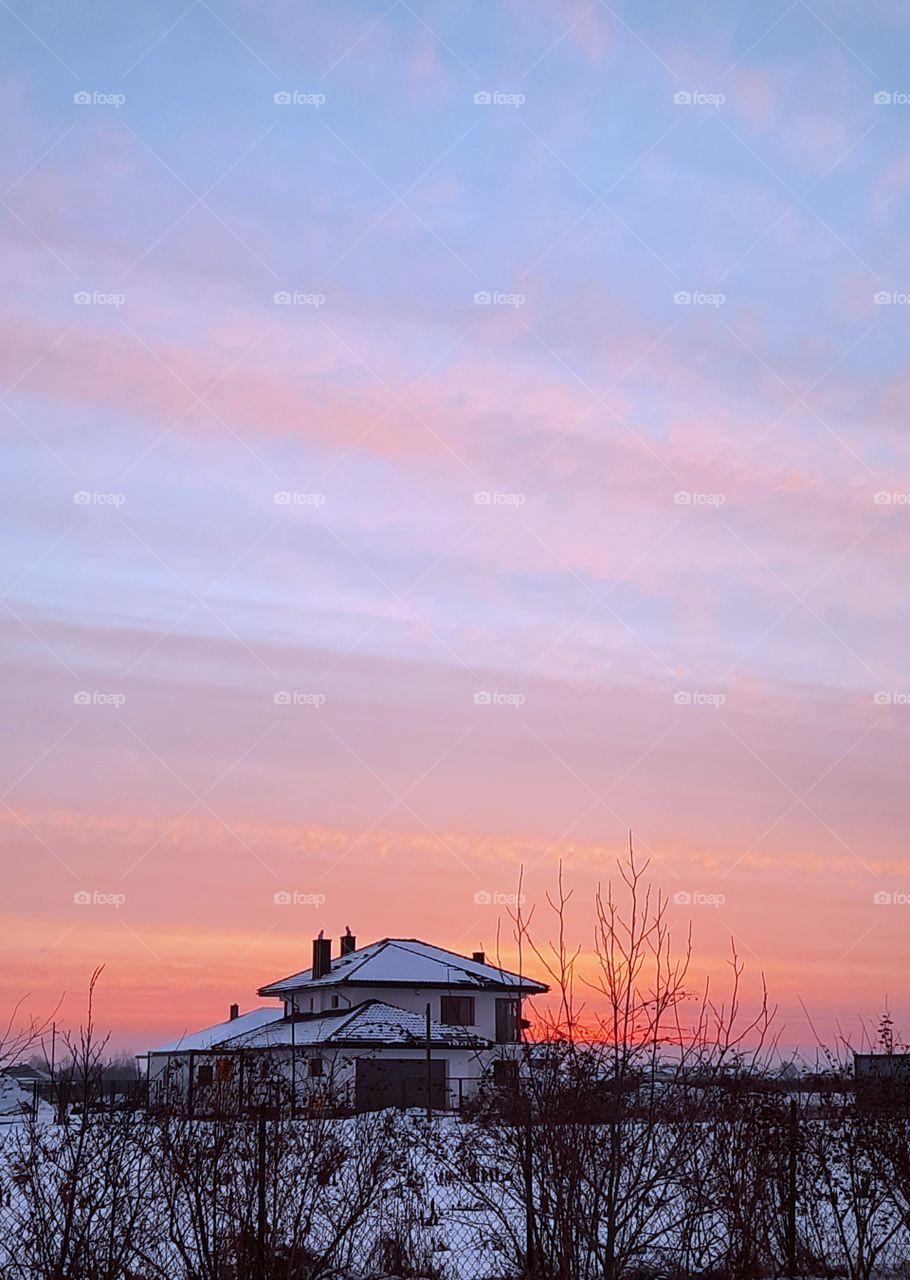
[756, 1185]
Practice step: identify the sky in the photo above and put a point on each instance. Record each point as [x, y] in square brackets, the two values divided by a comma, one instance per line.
[439, 438]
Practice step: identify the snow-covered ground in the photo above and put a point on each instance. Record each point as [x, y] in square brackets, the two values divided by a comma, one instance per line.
[443, 1203]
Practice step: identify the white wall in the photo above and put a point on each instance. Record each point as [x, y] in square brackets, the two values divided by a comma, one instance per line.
[168, 1076]
[414, 999]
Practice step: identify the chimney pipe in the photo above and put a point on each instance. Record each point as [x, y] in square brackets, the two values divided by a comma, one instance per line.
[479, 957]
[235, 1011]
[322, 956]
[348, 943]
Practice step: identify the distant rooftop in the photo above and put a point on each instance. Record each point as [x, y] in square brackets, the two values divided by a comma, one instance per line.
[406, 962]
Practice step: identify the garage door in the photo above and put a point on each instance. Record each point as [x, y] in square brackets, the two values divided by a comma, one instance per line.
[399, 1082]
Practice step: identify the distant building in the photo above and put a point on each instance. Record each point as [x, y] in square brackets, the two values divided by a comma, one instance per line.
[882, 1081]
[353, 1030]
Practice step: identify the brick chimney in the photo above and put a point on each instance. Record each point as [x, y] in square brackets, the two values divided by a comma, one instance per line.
[348, 943]
[322, 956]
[235, 1011]
[479, 957]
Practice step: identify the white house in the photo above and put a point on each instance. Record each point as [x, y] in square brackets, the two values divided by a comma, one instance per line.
[380, 1025]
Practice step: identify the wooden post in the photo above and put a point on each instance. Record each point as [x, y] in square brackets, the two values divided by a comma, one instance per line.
[429, 1071]
[293, 1069]
[190, 1099]
[530, 1260]
[792, 1145]
[260, 1190]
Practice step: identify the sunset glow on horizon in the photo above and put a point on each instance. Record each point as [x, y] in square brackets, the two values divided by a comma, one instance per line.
[439, 440]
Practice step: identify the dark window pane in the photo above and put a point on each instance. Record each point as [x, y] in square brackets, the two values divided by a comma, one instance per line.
[507, 1014]
[456, 1011]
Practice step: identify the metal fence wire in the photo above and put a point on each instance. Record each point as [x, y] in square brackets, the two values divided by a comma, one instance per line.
[755, 1188]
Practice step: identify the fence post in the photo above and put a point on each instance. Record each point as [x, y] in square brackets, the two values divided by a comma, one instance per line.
[429, 1069]
[792, 1146]
[529, 1195]
[260, 1192]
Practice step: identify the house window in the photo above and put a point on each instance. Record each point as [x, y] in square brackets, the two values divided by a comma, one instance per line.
[507, 1018]
[205, 1075]
[456, 1011]
[224, 1070]
[335, 1002]
[315, 1068]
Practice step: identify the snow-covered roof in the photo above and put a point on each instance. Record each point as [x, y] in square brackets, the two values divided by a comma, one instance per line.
[371, 1023]
[409, 962]
[25, 1071]
[204, 1039]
